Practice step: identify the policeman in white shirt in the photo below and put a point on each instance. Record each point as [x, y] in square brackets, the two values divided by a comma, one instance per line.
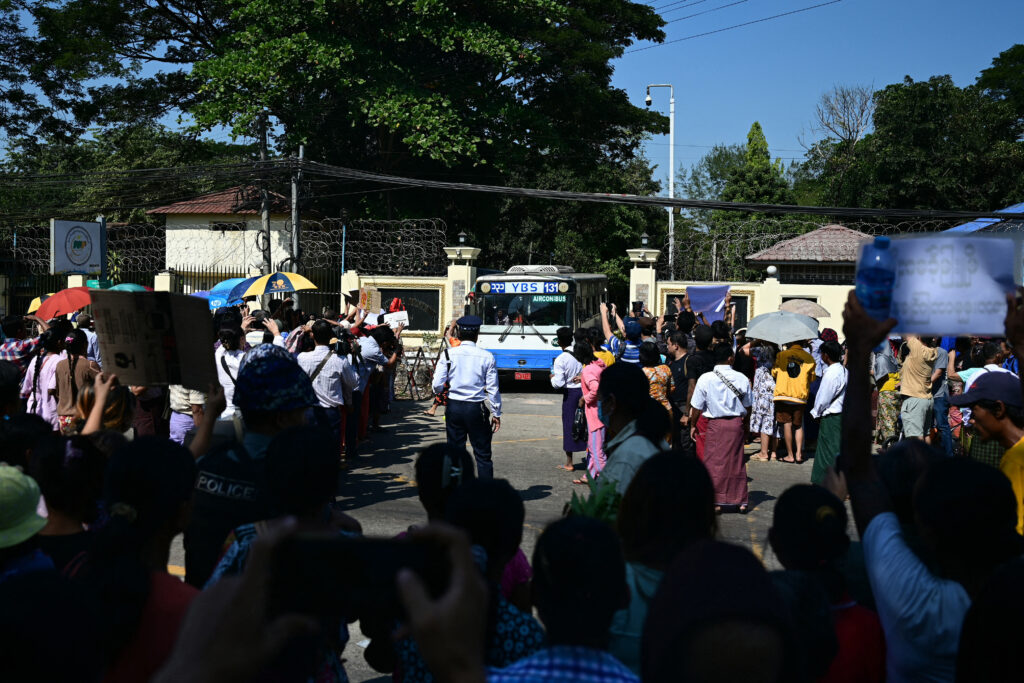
[333, 378]
[472, 376]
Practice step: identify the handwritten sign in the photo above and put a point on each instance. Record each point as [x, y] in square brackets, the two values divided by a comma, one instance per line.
[950, 286]
[369, 299]
[155, 338]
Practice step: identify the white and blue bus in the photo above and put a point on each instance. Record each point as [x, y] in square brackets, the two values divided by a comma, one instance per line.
[522, 308]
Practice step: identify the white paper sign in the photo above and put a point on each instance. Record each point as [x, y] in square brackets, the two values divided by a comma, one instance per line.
[952, 286]
[396, 319]
[76, 247]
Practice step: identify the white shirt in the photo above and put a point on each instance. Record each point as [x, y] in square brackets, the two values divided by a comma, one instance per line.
[714, 399]
[831, 393]
[369, 349]
[255, 338]
[565, 368]
[471, 374]
[336, 376]
[921, 613]
[228, 377]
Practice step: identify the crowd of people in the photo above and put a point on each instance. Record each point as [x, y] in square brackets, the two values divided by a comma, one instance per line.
[929, 590]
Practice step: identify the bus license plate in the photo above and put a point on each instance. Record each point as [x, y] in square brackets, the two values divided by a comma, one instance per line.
[523, 375]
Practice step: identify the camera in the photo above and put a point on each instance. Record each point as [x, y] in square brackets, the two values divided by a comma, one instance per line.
[648, 101]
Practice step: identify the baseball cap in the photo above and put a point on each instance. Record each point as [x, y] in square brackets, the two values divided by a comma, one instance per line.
[828, 335]
[19, 497]
[633, 330]
[992, 386]
[270, 380]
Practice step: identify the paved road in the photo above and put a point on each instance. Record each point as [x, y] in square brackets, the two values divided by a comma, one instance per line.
[380, 491]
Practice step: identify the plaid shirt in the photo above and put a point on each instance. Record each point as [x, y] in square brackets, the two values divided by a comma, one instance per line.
[18, 351]
[565, 663]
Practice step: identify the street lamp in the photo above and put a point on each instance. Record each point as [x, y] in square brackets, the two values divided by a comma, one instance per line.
[644, 240]
[462, 238]
[671, 170]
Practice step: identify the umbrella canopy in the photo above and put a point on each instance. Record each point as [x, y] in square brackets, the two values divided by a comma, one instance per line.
[805, 307]
[38, 301]
[277, 283]
[220, 293]
[130, 287]
[782, 327]
[64, 302]
[202, 294]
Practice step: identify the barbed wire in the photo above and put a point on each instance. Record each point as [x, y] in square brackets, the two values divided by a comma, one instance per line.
[375, 247]
[717, 248]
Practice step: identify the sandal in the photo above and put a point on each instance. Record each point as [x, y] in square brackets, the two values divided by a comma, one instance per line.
[581, 482]
[761, 458]
[567, 468]
[743, 509]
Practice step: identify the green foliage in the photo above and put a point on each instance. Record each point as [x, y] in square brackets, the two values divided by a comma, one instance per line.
[1004, 80]
[148, 146]
[602, 503]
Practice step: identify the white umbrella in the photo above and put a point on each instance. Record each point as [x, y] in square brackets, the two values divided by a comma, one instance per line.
[782, 327]
[805, 307]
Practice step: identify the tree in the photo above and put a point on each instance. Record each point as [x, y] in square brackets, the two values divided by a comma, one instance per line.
[758, 181]
[844, 113]
[1004, 80]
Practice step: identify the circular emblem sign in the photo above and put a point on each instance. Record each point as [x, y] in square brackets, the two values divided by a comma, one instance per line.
[78, 246]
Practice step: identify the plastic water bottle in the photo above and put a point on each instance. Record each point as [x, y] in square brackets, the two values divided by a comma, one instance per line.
[876, 274]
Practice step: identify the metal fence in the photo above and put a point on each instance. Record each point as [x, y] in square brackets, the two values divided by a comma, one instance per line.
[718, 249]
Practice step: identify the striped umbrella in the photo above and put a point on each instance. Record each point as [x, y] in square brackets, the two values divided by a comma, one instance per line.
[278, 283]
[38, 301]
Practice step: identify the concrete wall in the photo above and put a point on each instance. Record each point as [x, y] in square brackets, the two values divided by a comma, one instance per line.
[191, 241]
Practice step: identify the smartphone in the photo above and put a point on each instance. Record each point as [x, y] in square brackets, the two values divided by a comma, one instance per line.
[327, 575]
[638, 307]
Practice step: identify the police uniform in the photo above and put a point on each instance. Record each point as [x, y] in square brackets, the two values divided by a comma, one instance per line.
[472, 378]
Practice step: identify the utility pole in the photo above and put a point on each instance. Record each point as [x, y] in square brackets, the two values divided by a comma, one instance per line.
[268, 266]
[671, 171]
[296, 220]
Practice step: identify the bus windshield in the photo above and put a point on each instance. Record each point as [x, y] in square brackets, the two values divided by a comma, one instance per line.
[537, 309]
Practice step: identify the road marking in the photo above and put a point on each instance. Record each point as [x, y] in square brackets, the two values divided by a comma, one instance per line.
[542, 438]
[175, 570]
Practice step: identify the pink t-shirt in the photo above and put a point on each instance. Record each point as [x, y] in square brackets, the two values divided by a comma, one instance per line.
[517, 572]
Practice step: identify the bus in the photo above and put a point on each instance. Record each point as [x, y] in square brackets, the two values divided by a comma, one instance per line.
[522, 308]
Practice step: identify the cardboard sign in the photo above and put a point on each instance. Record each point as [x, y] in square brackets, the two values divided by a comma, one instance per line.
[952, 286]
[397, 318]
[369, 298]
[155, 338]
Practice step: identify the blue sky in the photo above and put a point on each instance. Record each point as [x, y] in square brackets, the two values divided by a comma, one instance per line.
[775, 71]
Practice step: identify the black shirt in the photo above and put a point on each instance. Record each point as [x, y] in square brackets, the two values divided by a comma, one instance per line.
[64, 548]
[700, 362]
[677, 397]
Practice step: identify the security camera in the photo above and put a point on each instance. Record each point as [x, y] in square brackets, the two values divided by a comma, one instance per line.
[648, 100]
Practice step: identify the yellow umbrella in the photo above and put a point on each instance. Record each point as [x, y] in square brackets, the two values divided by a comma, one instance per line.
[277, 283]
[38, 301]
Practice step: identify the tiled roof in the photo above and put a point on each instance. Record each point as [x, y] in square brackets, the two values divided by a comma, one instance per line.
[235, 201]
[830, 244]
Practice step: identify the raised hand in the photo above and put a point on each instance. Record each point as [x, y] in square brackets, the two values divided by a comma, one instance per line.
[863, 332]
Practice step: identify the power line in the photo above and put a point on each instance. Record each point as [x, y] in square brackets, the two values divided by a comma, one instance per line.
[735, 26]
[684, 3]
[707, 11]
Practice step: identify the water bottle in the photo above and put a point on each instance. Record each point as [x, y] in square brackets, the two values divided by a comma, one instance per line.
[876, 273]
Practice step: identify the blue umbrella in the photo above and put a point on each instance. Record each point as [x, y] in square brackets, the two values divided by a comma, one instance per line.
[220, 293]
[238, 291]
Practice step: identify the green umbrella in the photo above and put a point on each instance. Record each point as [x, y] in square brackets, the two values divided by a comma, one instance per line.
[130, 287]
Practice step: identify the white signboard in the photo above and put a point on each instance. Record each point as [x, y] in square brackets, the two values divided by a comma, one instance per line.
[76, 247]
[952, 286]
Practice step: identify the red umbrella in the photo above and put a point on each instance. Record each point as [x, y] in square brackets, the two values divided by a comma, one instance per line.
[64, 302]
